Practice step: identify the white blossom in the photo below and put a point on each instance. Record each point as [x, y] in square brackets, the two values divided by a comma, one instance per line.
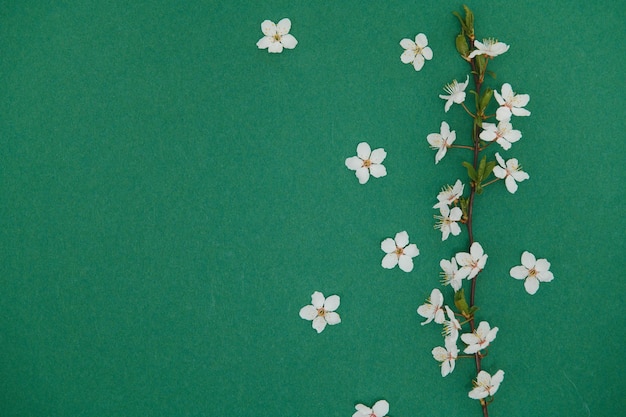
[450, 194]
[511, 172]
[447, 356]
[480, 338]
[276, 36]
[456, 93]
[489, 47]
[533, 271]
[367, 162]
[433, 308]
[451, 274]
[399, 252]
[441, 141]
[379, 409]
[321, 311]
[416, 52]
[473, 262]
[510, 103]
[486, 385]
[447, 222]
[451, 327]
[503, 133]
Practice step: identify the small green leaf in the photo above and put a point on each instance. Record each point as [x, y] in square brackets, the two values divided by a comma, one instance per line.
[485, 99]
[469, 21]
[481, 169]
[462, 45]
[471, 172]
[461, 303]
[472, 310]
[461, 21]
[489, 168]
[492, 74]
[481, 65]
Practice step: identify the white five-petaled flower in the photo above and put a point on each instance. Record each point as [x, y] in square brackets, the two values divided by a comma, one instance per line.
[367, 162]
[441, 141]
[479, 338]
[380, 409]
[510, 171]
[533, 271]
[276, 36]
[451, 327]
[447, 356]
[456, 93]
[447, 222]
[416, 52]
[510, 103]
[399, 252]
[450, 194]
[489, 47]
[486, 385]
[503, 133]
[321, 311]
[433, 308]
[451, 274]
[473, 262]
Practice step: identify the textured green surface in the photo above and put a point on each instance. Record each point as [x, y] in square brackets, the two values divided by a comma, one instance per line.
[171, 196]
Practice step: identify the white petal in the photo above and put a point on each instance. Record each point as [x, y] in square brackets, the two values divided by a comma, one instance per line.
[381, 408]
[264, 42]
[288, 41]
[520, 112]
[363, 174]
[407, 43]
[362, 410]
[503, 114]
[478, 393]
[317, 299]
[511, 185]
[542, 265]
[268, 28]
[354, 163]
[418, 62]
[308, 312]
[407, 56]
[507, 91]
[545, 276]
[519, 272]
[476, 250]
[331, 303]
[411, 250]
[439, 353]
[421, 40]
[402, 239]
[378, 170]
[378, 156]
[319, 323]
[405, 263]
[528, 260]
[532, 285]
[275, 48]
[427, 53]
[363, 150]
[283, 26]
[389, 261]
[332, 318]
[499, 172]
[388, 245]
[499, 98]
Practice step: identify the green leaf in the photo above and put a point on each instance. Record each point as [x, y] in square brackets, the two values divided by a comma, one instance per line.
[485, 99]
[461, 21]
[469, 21]
[489, 169]
[461, 303]
[481, 169]
[492, 74]
[462, 45]
[481, 65]
[471, 172]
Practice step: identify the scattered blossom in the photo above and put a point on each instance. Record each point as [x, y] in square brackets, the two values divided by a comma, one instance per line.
[399, 252]
[321, 311]
[489, 47]
[416, 52]
[276, 36]
[533, 271]
[441, 141]
[510, 171]
[447, 356]
[510, 103]
[433, 308]
[447, 222]
[451, 327]
[473, 262]
[451, 274]
[367, 162]
[456, 93]
[503, 133]
[380, 409]
[450, 194]
[486, 385]
[480, 338]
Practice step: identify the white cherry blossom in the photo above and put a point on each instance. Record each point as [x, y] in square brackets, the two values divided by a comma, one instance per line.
[480, 338]
[367, 162]
[503, 133]
[451, 274]
[533, 271]
[451, 327]
[447, 356]
[489, 47]
[450, 194]
[511, 172]
[399, 252]
[447, 222]
[510, 103]
[321, 311]
[441, 141]
[379, 409]
[473, 262]
[486, 385]
[416, 52]
[433, 308]
[456, 93]
[276, 36]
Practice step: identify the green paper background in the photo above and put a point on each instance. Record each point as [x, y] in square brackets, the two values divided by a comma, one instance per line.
[171, 196]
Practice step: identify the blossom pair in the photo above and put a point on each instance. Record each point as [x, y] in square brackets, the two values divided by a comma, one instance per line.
[464, 265]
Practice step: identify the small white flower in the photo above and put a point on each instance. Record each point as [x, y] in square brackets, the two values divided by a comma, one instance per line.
[380, 409]
[276, 36]
[510, 103]
[447, 222]
[399, 252]
[486, 385]
[479, 338]
[449, 195]
[489, 47]
[451, 327]
[416, 52]
[441, 141]
[433, 308]
[451, 274]
[533, 271]
[456, 93]
[447, 356]
[510, 171]
[321, 311]
[367, 162]
[504, 134]
[473, 262]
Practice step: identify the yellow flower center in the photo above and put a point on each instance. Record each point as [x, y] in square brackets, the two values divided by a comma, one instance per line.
[367, 163]
[321, 312]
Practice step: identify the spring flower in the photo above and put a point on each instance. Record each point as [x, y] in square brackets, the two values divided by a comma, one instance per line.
[449, 195]
[416, 52]
[451, 274]
[533, 271]
[321, 311]
[276, 36]
[447, 356]
[456, 93]
[451, 327]
[486, 385]
[367, 162]
[380, 409]
[510, 171]
[473, 262]
[489, 47]
[479, 338]
[510, 103]
[441, 141]
[448, 221]
[399, 252]
[504, 134]
[433, 308]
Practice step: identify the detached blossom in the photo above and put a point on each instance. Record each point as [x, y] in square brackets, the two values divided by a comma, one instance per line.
[451, 274]
[416, 52]
[399, 252]
[276, 36]
[479, 338]
[447, 356]
[510, 103]
[367, 162]
[441, 141]
[451, 327]
[486, 385]
[456, 93]
[504, 134]
[489, 47]
[449, 195]
[433, 308]
[321, 311]
[533, 271]
[511, 172]
[448, 221]
[473, 262]
[380, 409]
